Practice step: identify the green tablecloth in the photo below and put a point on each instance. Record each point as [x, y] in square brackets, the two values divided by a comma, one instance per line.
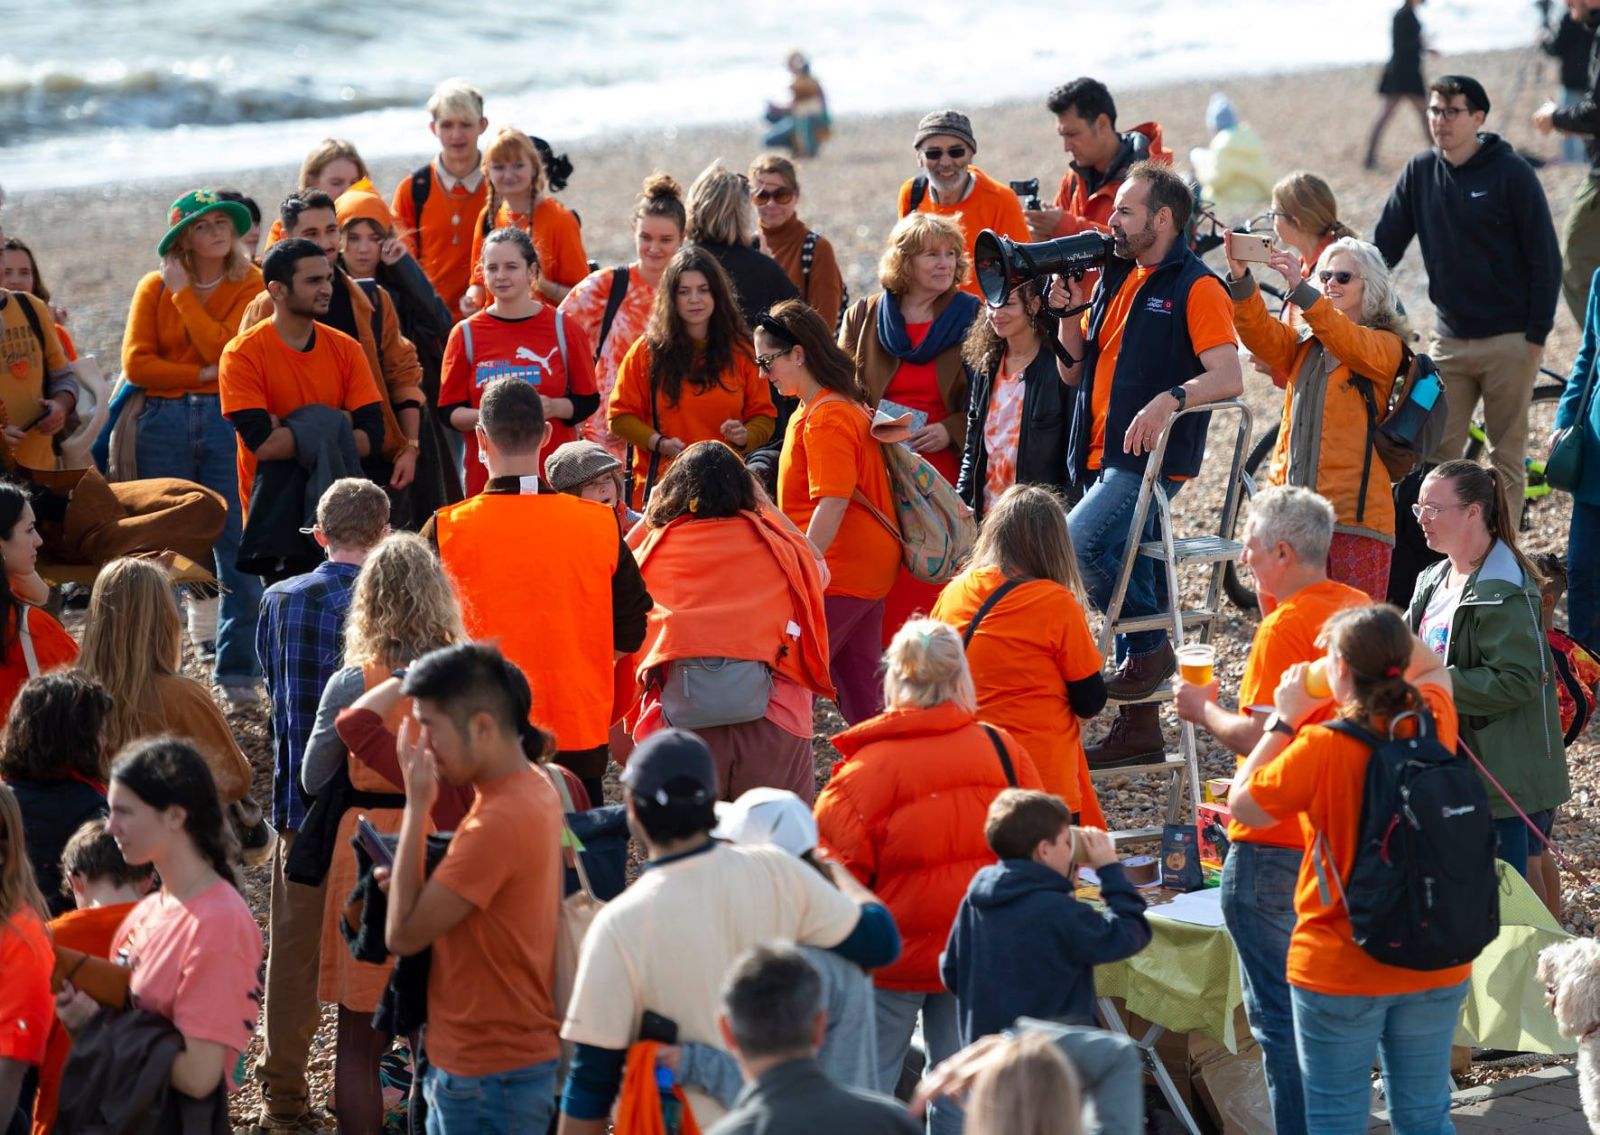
[1187, 979]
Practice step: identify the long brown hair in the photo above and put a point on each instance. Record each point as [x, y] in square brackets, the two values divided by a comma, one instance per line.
[1484, 486]
[1375, 643]
[18, 887]
[133, 637]
[983, 348]
[674, 358]
[826, 362]
[1025, 535]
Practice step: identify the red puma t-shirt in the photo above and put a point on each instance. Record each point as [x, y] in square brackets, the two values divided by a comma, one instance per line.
[528, 349]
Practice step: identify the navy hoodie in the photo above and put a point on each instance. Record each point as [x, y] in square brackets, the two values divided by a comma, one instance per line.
[1023, 946]
[1490, 249]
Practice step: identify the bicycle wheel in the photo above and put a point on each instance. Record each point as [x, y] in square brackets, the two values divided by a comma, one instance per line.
[1234, 581]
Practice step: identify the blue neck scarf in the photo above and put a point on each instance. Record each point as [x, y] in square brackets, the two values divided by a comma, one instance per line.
[949, 328]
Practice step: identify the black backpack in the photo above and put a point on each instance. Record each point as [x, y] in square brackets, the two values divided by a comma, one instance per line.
[1405, 432]
[1422, 892]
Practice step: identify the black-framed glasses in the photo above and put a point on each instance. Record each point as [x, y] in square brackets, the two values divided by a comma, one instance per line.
[934, 153]
[764, 362]
[1448, 113]
[1341, 278]
[781, 195]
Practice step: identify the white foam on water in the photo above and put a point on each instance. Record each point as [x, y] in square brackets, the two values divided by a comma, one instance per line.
[93, 92]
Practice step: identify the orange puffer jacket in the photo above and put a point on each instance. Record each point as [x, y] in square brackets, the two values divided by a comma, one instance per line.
[905, 812]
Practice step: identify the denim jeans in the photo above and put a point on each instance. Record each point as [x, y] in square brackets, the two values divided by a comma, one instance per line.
[897, 1013]
[1099, 526]
[519, 1102]
[1583, 575]
[1572, 148]
[1411, 1033]
[187, 437]
[1258, 883]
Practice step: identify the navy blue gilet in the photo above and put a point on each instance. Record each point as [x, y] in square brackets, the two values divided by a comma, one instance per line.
[1155, 355]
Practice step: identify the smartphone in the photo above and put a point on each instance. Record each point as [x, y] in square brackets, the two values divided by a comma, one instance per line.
[1248, 247]
[662, 1030]
[372, 841]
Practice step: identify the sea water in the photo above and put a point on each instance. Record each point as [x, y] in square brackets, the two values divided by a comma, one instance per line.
[96, 91]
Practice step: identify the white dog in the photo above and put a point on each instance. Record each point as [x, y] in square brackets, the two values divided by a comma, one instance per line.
[1570, 971]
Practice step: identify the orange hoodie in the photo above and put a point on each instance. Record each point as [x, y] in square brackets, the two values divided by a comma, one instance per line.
[1087, 208]
[905, 812]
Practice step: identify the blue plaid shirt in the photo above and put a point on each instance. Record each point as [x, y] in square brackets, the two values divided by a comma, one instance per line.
[299, 642]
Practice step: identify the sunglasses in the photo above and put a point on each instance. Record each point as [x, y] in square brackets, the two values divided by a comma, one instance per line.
[1341, 278]
[764, 362]
[934, 153]
[780, 196]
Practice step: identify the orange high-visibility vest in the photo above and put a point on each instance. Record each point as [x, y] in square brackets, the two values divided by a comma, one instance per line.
[533, 574]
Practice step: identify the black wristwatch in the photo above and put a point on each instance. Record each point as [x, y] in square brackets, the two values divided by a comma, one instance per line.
[1181, 395]
[1277, 724]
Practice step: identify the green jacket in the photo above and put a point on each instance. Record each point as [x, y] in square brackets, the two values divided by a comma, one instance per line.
[1504, 680]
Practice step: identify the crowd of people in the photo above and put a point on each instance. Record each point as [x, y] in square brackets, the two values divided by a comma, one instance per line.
[485, 519]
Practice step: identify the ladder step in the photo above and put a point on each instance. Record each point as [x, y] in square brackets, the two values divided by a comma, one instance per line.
[1170, 764]
[1192, 616]
[1195, 549]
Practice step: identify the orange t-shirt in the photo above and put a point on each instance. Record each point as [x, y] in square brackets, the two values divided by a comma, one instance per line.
[828, 452]
[491, 1001]
[259, 371]
[1320, 778]
[1028, 647]
[990, 205]
[90, 931]
[441, 237]
[556, 235]
[741, 394]
[1210, 317]
[26, 1006]
[1288, 635]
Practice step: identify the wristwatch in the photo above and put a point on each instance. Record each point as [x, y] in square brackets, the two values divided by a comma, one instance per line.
[1277, 724]
[1181, 395]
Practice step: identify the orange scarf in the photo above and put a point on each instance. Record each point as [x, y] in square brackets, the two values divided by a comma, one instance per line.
[639, 1104]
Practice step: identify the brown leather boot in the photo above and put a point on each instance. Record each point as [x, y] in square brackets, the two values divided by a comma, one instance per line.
[1140, 674]
[1135, 738]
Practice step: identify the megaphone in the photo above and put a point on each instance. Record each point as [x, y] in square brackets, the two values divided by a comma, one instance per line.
[1002, 263]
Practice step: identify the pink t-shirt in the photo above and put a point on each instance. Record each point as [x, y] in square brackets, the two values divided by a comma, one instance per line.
[198, 964]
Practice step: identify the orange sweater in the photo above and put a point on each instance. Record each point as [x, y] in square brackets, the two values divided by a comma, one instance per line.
[171, 335]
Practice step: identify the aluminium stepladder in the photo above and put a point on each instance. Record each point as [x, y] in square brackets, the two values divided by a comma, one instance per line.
[1212, 550]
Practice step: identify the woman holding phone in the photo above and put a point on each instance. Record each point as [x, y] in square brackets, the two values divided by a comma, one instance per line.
[1339, 380]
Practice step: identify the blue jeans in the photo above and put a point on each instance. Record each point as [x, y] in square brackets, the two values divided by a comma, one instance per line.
[897, 1012]
[1099, 527]
[522, 1101]
[187, 437]
[1572, 150]
[1258, 883]
[1512, 832]
[1411, 1033]
[1583, 575]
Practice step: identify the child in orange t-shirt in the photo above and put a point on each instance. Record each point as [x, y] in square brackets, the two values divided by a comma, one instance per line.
[1348, 1006]
[105, 888]
[519, 337]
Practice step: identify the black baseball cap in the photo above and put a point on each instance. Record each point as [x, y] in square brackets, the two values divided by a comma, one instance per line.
[1477, 98]
[668, 756]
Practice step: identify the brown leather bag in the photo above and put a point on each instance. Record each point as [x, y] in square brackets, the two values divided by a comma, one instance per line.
[101, 979]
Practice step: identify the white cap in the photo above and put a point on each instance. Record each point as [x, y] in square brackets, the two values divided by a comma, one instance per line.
[772, 816]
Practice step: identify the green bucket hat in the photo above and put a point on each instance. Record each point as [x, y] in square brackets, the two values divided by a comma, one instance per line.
[194, 204]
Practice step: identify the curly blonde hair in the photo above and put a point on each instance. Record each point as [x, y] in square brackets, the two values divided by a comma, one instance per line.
[915, 234]
[402, 607]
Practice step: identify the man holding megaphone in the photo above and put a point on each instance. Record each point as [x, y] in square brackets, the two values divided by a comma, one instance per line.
[1157, 338]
